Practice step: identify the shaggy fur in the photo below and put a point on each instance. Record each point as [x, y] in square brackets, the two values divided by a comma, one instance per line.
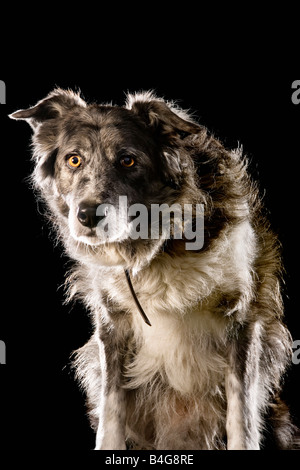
[208, 372]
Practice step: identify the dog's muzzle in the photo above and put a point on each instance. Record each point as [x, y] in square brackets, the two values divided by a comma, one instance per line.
[87, 214]
[95, 224]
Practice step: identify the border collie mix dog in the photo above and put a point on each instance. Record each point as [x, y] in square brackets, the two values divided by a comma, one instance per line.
[189, 347]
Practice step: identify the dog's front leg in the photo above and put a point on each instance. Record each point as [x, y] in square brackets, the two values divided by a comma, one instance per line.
[112, 410]
[244, 392]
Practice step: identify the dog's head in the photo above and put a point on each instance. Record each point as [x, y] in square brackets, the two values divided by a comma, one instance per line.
[88, 155]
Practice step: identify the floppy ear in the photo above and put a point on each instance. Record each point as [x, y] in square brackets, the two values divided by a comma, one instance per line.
[156, 114]
[51, 107]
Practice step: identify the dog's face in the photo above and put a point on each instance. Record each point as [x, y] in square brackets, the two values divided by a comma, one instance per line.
[87, 156]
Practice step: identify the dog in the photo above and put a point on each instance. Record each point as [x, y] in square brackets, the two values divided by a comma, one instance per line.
[189, 347]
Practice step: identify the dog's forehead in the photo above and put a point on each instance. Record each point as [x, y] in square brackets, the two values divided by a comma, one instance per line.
[108, 126]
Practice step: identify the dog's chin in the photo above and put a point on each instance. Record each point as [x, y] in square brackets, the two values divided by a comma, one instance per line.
[91, 249]
[91, 240]
[108, 253]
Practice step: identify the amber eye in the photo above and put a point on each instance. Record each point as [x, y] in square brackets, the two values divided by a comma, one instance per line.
[127, 161]
[74, 161]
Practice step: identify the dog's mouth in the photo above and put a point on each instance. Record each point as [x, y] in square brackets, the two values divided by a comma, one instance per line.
[90, 238]
[97, 225]
[99, 236]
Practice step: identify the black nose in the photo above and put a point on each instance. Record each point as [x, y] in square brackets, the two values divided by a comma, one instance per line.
[86, 214]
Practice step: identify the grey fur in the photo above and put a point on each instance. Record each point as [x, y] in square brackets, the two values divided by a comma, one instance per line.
[208, 371]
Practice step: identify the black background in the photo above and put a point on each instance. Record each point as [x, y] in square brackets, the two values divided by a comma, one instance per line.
[245, 102]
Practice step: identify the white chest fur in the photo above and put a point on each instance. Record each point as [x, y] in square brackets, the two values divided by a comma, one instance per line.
[185, 344]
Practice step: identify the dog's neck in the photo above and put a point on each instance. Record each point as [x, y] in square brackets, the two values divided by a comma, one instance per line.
[168, 246]
[140, 309]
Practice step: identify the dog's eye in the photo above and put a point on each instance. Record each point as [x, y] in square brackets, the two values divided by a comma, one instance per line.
[127, 161]
[74, 161]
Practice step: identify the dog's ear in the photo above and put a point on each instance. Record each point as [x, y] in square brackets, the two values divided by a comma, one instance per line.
[170, 126]
[157, 115]
[53, 106]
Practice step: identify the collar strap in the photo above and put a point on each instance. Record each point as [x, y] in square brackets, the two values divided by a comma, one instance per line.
[144, 316]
